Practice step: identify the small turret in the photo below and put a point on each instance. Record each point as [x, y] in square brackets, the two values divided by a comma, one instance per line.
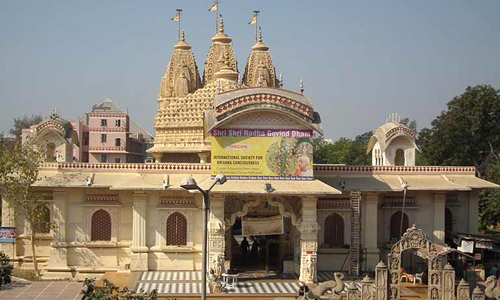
[393, 144]
[260, 71]
[221, 45]
[182, 76]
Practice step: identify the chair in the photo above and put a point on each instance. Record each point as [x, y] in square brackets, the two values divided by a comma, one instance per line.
[418, 277]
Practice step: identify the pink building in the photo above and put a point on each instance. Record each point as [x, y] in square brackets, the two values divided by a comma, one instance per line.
[108, 135]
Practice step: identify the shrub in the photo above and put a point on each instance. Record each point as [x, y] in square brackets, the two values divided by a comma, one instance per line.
[108, 291]
[5, 269]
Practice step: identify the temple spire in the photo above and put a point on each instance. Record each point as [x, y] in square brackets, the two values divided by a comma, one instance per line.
[221, 29]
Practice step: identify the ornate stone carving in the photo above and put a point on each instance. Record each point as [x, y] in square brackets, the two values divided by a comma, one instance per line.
[367, 288]
[477, 294]
[463, 290]
[381, 273]
[448, 283]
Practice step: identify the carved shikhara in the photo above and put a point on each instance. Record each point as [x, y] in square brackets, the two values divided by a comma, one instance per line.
[161, 239]
[112, 211]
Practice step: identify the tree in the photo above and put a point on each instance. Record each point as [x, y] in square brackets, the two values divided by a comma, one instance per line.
[24, 122]
[467, 133]
[343, 151]
[18, 172]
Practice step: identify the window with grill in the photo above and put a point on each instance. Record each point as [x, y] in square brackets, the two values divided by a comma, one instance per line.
[42, 225]
[334, 230]
[104, 138]
[104, 158]
[396, 225]
[176, 230]
[101, 226]
[104, 122]
[118, 142]
[118, 123]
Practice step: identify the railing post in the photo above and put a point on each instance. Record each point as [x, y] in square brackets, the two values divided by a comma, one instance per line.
[381, 274]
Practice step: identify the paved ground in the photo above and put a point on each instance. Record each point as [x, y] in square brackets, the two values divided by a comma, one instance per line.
[41, 290]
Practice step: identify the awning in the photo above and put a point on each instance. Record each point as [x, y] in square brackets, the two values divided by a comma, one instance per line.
[392, 183]
[472, 182]
[441, 250]
[278, 187]
[155, 181]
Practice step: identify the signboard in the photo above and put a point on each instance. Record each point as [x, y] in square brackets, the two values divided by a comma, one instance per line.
[262, 226]
[7, 235]
[283, 154]
[477, 256]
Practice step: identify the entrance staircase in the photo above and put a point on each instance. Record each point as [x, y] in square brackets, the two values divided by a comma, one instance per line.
[355, 255]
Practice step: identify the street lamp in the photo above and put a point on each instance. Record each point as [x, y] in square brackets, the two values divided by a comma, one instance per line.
[190, 184]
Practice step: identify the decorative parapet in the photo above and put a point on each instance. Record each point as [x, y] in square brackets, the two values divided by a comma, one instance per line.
[346, 170]
[319, 169]
[129, 167]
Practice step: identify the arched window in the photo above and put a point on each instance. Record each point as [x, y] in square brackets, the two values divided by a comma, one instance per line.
[51, 152]
[399, 160]
[176, 230]
[42, 224]
[334, 230]
[396, 224]
[448, 220]
[101, 226]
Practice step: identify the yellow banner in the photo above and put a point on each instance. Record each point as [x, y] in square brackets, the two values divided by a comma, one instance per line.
[262, 154]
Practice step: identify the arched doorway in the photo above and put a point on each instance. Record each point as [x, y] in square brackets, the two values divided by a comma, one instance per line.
[273, 252]
[399, 160]
[415, 239]
[395, 225]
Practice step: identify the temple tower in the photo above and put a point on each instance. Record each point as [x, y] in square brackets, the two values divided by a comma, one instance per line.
[260, 71]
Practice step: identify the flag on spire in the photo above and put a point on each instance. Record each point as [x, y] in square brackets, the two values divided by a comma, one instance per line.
[177, 17]
[214, 7]
[254, 20]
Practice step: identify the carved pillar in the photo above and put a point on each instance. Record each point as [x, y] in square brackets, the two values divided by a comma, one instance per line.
[448, 282]
[352, 291]
[158, 157]
[8, 220]
[308, 241]
[216, 235]
[473, 211]
[370, 231]
[367, 288]
[204, 157]
[58, 262]
[434, 281]
[439, 206]
[381, 275]
[139, 250]
[477, 294]
[463, 291]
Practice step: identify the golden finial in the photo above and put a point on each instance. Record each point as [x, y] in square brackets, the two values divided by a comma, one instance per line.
[221, 30]
[183, 38]
[260, 36]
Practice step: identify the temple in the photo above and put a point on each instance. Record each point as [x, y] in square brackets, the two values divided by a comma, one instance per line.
[309, 217]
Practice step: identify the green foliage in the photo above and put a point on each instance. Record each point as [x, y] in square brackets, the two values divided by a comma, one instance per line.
[18, 172]
[5, 269]
[465, 134]
[24, 122]
[108, 291]
[343, 151]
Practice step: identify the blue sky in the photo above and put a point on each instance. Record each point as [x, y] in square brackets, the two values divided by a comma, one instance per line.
[360, 60]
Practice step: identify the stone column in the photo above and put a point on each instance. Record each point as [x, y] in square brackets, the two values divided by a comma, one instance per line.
[448, 282]
[474, 211]
[367, 288]
[8, 220]
[139, 250]
[438, 230]
[370, 231]
[158, 157]
[216, 235]
[58, 262]
[308, 240]
[463, 291]
[203, 157]
[381, 281]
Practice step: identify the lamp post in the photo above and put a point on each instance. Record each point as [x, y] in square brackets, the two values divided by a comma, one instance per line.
[190, 185]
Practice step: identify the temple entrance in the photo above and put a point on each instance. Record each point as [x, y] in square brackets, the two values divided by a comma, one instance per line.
[262, 236]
